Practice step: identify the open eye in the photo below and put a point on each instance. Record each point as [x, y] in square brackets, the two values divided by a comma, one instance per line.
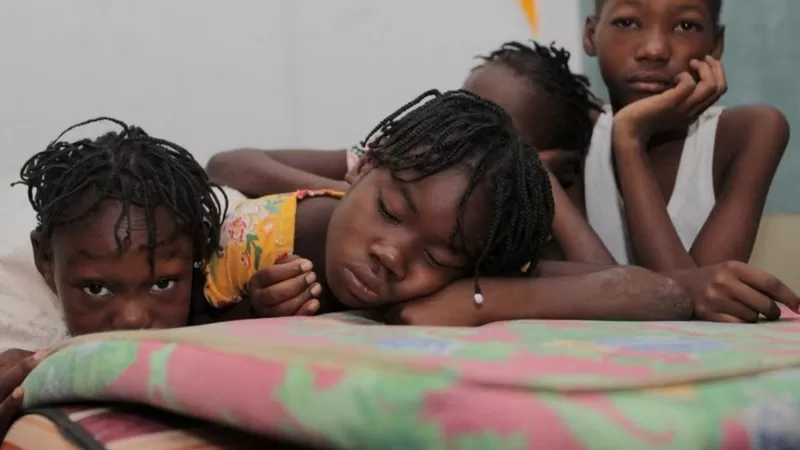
[96, 290]
[162, 285]
[688, 25]
[624, 22]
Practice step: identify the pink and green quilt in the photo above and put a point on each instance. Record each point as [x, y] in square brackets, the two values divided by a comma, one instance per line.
[341, 381]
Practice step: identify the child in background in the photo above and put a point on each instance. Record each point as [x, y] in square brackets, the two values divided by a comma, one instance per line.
[549, 106]
[693, 178]
[448, 192]
[125, 223]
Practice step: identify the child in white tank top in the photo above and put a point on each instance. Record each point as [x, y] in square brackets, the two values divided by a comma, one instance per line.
[672, 183]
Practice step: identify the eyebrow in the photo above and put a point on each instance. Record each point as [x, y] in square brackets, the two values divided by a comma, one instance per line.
[403, 187]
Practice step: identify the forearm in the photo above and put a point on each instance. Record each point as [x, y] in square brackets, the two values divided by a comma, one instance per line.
[254, 173]
[620, 293]
[655, 240]
[577, 240]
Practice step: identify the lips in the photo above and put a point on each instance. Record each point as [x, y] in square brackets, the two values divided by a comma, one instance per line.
[363, 284]
[650, 82]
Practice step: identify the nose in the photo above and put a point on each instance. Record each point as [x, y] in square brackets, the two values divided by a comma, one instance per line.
[390, 259]
[133, 314]
[655, 46]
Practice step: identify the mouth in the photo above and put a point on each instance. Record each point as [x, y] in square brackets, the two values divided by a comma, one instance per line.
[651, 83]
[362, 284]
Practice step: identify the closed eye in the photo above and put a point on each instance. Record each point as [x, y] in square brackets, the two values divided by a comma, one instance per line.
[433, 261]
[391, 218]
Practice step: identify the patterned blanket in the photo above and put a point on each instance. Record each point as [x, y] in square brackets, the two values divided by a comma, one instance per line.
[344, 382]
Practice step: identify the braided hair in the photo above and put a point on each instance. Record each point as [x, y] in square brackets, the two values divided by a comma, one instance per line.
[714, 5]
[458, 128]
[569, 94]
[130, 167]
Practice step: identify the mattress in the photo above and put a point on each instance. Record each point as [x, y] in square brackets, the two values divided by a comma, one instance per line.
[341, 381]
[126, 427]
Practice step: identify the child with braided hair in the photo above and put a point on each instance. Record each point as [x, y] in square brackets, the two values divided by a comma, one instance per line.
[551, 108]
[125, 223]
[448, 195]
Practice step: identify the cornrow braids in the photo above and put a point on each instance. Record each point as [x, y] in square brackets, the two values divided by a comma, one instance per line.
[458, 128]
[571, 99]
[130, 167]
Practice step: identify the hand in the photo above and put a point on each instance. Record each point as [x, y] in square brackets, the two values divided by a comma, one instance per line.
[15, 365]
[735, 292]
[564, 164]
[452, 306]
[287, 288]
[674, 107]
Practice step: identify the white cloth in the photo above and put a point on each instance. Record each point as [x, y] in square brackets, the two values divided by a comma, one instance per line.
[692, 199]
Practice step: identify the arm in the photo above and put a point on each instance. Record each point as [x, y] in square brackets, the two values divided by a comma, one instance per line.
[577, 240]
[759, 135]
[260, 172]
[618, 293]
[758, 139]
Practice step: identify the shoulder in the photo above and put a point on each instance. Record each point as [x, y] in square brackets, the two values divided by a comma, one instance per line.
[742, 126]
[756, 133]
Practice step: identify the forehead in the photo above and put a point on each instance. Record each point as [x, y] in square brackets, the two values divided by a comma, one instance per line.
[524, 102]
[661, 6]
[97, 234]
[437, 199]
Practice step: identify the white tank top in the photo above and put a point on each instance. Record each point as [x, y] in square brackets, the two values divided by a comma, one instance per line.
[692, 198]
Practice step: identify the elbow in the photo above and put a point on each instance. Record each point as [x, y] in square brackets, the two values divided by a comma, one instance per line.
[218, 166]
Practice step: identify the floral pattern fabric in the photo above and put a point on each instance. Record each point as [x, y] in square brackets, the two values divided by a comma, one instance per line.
[254, 235]
[341, 381]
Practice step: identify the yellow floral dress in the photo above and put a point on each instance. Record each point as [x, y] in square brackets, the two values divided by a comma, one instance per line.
[254, 235]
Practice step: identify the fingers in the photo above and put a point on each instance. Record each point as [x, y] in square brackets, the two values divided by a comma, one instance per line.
[719, 74]
[305, 304]
[287, 297]
[766, 284]
[285, 268]
[11, 357]
[684, 88]
[9, 408]
[708, 89]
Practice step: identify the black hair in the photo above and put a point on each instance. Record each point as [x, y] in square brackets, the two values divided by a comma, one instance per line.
[569, 94]
[458, 128]
[130, 167]
[714, 5]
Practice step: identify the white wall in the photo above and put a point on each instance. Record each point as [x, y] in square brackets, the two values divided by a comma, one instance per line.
[212, 75]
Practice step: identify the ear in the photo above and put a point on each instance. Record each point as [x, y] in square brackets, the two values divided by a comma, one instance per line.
[43, 257]
[589, 29]
[719, 43]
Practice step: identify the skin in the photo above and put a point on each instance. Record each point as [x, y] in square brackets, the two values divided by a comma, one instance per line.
[262, 172]
[660, 62]
[677, 40]
[408, 267]
[257, 172]
[102, 289]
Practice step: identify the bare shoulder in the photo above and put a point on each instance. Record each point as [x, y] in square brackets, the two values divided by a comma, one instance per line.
[743, 126]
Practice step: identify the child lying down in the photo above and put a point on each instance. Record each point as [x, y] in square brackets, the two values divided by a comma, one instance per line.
[444, 225]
